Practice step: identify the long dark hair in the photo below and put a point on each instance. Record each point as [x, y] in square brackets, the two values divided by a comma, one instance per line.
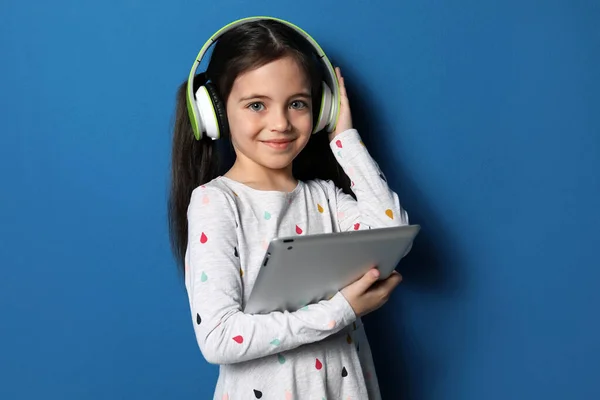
[194, 163]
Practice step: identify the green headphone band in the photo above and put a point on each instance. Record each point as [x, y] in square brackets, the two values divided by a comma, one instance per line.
[198, 125]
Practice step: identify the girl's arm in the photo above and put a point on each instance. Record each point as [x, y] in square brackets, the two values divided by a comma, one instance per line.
[213, 280]
[376, 205]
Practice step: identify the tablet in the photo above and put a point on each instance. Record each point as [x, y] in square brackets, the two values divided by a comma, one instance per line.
[301, 270]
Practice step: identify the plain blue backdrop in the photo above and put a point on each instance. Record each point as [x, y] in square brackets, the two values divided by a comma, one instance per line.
[485, 116]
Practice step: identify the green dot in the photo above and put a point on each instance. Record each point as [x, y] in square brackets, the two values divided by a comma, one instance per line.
[281, 359]
[203, 278]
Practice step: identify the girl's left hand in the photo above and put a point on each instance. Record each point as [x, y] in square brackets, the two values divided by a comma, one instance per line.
[345, 119]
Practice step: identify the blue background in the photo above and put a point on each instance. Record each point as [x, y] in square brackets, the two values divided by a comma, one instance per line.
[485, 116]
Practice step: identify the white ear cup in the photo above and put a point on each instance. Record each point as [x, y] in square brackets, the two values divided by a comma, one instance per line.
[325, 119]
[208, 117]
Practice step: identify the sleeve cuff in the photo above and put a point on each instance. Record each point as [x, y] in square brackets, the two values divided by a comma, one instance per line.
[351, 136]
[347, 145]
[347, 315]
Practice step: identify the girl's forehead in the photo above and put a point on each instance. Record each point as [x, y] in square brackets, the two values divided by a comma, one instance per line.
[283, 74]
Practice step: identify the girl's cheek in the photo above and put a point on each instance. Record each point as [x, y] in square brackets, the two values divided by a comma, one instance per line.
[304, 121]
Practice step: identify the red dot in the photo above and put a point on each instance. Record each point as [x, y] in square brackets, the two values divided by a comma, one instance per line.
[318, 364]
[298, 230]
[339, 143]
[203, 238]
[238, 339]
[356, 226]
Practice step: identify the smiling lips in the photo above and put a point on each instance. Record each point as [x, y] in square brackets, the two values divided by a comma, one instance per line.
[278, 144]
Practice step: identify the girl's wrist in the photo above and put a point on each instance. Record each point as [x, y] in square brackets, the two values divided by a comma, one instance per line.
[336, 135]
[348, 315]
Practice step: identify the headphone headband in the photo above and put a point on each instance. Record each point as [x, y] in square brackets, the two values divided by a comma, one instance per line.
[199, 126]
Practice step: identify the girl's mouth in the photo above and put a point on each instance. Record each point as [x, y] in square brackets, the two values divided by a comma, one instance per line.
[278, 144]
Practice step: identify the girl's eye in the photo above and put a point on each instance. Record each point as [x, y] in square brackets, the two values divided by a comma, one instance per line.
[256, 106]
[298, 104]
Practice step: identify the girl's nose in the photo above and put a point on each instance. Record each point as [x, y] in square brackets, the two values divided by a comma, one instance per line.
[280, 121]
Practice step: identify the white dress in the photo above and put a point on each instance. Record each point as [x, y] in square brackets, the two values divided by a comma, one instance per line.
[318, 352]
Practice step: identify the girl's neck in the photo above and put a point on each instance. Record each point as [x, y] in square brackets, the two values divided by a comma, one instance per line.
[263, 179]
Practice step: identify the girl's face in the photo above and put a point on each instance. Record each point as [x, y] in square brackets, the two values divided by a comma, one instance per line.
[270, 116]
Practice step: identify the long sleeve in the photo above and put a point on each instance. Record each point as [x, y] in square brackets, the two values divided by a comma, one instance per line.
[225, 334]
[376, 205]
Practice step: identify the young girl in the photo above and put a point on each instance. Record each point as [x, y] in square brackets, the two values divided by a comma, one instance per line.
[284, 181]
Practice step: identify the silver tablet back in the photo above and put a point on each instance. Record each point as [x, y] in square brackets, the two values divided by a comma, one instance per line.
[297, 271]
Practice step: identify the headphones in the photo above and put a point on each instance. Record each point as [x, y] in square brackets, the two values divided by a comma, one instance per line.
[207, 112]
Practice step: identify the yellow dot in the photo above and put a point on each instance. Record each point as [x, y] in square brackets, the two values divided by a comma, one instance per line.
[389, 213]
[241, 272]
[320, 208]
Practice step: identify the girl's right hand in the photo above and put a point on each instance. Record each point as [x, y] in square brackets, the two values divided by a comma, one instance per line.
[368, 294]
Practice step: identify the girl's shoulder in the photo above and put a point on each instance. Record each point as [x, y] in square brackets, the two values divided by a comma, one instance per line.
[213, 203]
[214, 192]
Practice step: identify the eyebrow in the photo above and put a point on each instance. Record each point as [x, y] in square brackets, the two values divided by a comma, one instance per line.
[261, 96]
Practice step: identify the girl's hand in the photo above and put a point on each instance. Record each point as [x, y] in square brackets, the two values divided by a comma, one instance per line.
[345, 119]
[367, 294]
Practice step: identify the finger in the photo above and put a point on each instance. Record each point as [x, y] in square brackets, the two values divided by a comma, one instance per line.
[385, 285]
[343, 89]
[367, 280]
[341, 82]
[394, 272]
[391, 282]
